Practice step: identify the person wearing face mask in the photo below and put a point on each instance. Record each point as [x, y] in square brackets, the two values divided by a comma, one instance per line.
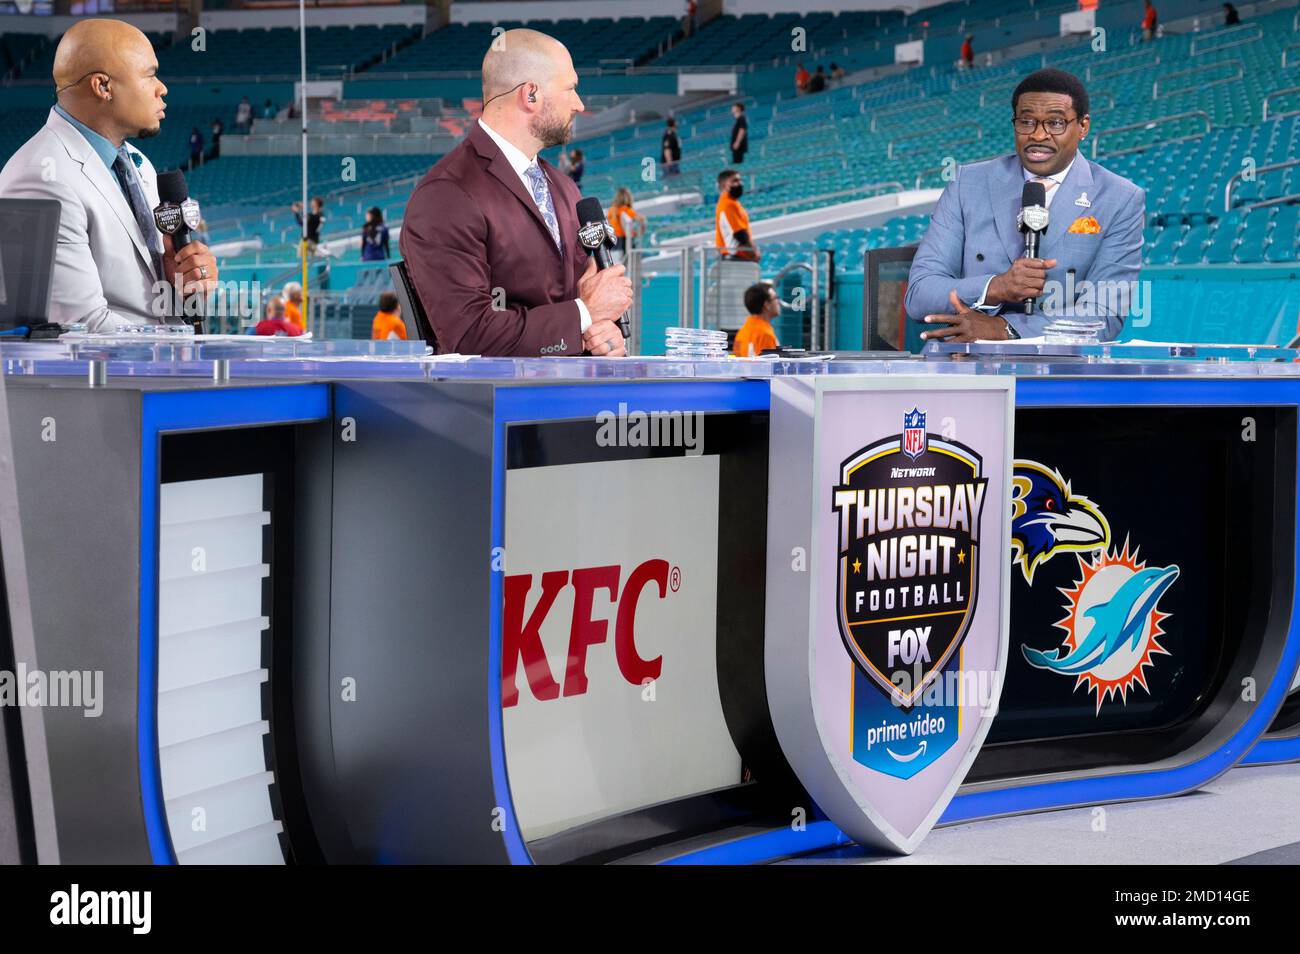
[731, 222]
[490, 235]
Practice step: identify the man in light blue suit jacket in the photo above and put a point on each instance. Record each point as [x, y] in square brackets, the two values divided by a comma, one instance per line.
[969, 277]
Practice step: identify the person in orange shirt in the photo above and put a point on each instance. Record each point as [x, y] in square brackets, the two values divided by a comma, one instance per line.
[801, 78]
[1148, 21]
[388, 320]
[293, 303]
[756, 334]
[626, 222]
[731, 221]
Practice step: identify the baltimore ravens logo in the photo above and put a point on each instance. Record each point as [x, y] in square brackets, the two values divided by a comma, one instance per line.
[1047, 518]
[908, 558]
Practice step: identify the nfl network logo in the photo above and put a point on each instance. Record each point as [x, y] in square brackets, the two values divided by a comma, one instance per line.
[914, 433]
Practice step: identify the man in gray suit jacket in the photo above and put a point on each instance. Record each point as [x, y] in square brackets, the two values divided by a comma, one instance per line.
[968, 276]
[112, 267]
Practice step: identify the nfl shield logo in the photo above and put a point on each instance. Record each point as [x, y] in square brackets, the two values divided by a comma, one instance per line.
[914, 433]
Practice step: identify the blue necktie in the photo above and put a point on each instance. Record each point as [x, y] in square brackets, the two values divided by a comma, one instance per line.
[124, 168]
[542, 196]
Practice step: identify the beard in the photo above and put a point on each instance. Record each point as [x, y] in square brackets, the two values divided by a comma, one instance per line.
[150, 132]
[550, 130]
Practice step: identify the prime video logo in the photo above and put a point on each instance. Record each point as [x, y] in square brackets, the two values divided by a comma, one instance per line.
[74, 906]
[626, 428]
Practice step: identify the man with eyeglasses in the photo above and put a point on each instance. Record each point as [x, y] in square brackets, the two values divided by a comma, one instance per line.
[113, 268]
[969, 281]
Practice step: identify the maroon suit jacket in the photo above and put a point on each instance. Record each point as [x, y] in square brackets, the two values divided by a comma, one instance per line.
[471, 227]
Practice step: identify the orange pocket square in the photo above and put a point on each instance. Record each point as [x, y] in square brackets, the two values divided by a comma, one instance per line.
[1085, 225]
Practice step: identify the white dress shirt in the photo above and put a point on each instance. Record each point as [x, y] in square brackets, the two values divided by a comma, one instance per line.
[1058, 178]
[521, 163]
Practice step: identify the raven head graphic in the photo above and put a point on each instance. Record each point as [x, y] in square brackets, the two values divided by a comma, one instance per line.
[1046, 519]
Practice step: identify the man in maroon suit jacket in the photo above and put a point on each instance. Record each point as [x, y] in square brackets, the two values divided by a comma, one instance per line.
[490, 236]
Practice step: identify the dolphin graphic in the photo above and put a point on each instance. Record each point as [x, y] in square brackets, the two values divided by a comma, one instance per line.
[1119, 620]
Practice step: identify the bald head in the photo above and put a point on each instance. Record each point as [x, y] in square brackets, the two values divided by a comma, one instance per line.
[530, 90]
[522, 56]
[105, 74]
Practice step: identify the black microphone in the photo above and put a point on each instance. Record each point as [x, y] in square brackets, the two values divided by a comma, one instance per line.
[593, 233]
[176, 213]
[1032, 220]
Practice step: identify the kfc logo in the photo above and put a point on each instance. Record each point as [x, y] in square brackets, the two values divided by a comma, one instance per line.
[521, 634]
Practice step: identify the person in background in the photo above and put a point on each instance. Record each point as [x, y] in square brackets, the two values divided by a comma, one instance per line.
[275, 322]
[967, 60]
[196, 148]
[315, 218]
[1230, 15]
[817, 84]
[374, 237]
[217, 129]
[388, 320]
[756, 335]
[268, 110]
[731, 221]
[688, 26]
[577, 166]
[244, 115]
[565, 162]
[837, 72]
[626, 222]
[801, 78]
[1149, 20]
[292, 298]
[671, 149]
[739, 134]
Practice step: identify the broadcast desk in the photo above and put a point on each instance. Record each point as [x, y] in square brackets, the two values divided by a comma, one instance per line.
[355, 604]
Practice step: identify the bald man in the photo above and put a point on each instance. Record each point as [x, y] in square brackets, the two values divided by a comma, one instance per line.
[490, 236]
[113, 269]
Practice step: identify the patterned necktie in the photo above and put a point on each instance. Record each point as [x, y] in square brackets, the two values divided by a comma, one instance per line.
[124, 169]
[542, 196]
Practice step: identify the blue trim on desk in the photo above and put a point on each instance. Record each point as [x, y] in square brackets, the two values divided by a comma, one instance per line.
[1068, 392]
[164, 412]
[569, 402]
[1273, 752]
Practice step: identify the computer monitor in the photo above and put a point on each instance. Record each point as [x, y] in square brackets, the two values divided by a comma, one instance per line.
[29, 231]
[884, 321]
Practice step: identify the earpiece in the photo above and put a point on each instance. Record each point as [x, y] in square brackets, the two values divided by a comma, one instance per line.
[532, 97]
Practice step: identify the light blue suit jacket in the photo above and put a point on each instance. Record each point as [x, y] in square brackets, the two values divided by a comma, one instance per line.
[973, 236]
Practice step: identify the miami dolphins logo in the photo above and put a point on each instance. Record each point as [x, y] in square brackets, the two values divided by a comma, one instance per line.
[1047, 518]
[1112, 625]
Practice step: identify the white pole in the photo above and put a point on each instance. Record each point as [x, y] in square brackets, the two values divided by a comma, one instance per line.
[302, 108]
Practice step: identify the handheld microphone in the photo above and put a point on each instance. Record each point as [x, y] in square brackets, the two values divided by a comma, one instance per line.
[593, 233]
[1032, 220]
[176, 213]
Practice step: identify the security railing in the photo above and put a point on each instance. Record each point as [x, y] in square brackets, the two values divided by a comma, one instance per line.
[1239, 34]
[1280, 92]
[1258, 171]
[1151, 124]
[1196, 70]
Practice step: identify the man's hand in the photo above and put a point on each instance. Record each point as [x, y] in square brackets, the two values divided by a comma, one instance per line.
[966, 325]
[607, 293]
[195, 264]
[1024, 279]
[604, 339]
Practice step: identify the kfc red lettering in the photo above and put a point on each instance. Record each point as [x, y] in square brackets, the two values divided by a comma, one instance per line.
[523, 640]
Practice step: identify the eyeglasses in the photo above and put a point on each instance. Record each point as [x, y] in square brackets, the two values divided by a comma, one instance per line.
[1055, 126]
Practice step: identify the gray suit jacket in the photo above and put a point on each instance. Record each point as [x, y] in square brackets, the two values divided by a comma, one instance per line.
[973, 236]
[103, 274]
